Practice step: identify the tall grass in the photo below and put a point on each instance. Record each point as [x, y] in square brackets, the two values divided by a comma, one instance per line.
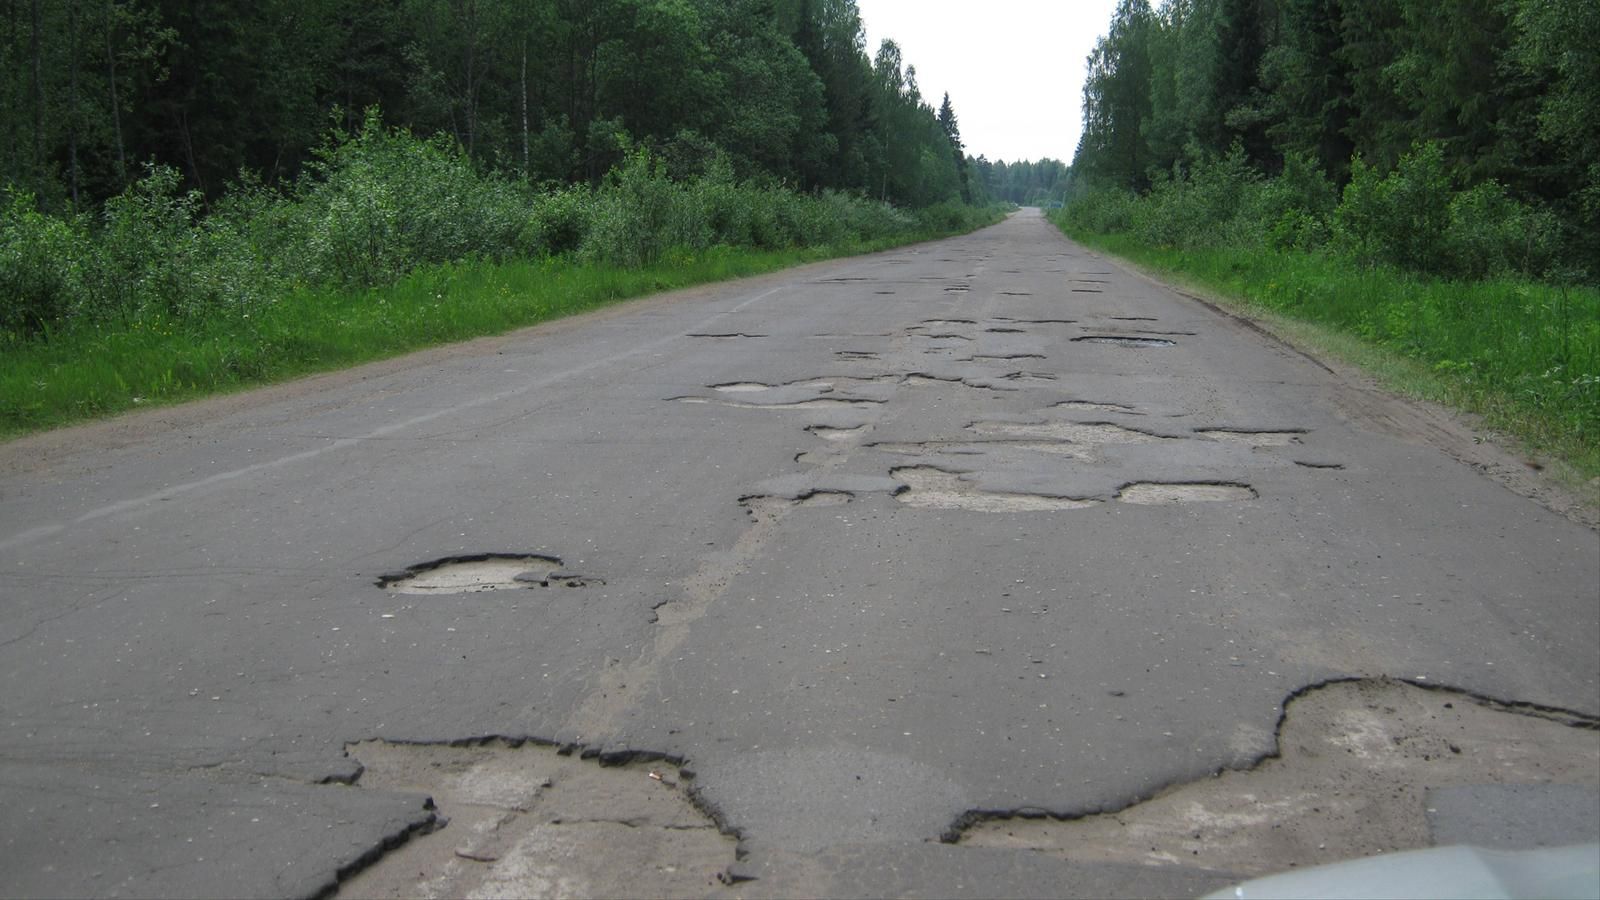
[1463, 283]
[101, 369]
[1523, 353]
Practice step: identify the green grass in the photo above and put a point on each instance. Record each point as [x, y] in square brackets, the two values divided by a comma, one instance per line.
[95, 371]
[1524, 355]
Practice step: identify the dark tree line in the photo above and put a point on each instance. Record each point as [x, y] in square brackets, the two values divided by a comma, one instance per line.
[1508, 90]
[1024, 183]
[553, 90]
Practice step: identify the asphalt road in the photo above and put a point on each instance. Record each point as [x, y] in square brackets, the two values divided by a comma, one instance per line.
[982, 525]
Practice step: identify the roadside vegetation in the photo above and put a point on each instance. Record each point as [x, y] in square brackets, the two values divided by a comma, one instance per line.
[190, 204]
[392, 244]
[1419, 179]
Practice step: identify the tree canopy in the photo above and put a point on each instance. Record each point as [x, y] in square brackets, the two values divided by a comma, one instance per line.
[1508, 90]
[551, 90]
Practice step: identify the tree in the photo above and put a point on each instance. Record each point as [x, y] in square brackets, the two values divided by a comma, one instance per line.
[952, 133]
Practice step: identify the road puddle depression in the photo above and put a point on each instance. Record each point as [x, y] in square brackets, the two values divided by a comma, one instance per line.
[1072, 432]
[1262, 438]
[1362, 768]
[1124, 340]
[483, 572]
[1092, 406]
[1150, 493]
[929, 488]
[530, 821]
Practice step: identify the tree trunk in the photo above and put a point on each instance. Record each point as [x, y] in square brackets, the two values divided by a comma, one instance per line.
[36, 48]
[525, 171]
[470, 14]
[116, 104]
[188, 149]
[72, 95]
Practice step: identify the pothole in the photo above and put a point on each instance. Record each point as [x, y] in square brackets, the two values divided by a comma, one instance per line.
[483, 572]
[929, 488]
[742, 387]
[1028, 376]
[1122, 340]
[957, 289]
[855, 354]
[1260, 438]
[973, 448]
[1075, 432]
[528, 821]
[1315, 464]
[1154, 493]
[831, 433]
[1363, 767]
[757, 504]
[813, 403]
[1005, 330]
[1090, 406]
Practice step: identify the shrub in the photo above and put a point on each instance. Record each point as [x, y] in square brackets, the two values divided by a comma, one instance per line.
[1399, 219]
[383, 202]
[631, 213]
[42, 262]
[1103, 210]
[1490, 234]
[1295, 207]
[557, 222]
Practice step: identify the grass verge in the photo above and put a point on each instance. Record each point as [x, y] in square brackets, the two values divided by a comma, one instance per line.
[102, 370]
[1524, 356]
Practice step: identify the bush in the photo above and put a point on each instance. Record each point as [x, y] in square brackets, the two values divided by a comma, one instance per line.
[378, 204]
[632, 211]
[1295, 207]
[1399, 219]
[150, 249]
[557, 222]
[42, 263]
[1489, 234]
[1102, 210]
[383, 202]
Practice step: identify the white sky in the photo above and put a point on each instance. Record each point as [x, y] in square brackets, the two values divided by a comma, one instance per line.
[1014, 68]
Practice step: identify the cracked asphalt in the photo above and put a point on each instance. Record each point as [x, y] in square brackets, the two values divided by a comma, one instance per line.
[878, 548]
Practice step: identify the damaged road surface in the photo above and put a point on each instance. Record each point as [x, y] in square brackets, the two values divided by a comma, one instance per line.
[973, 568]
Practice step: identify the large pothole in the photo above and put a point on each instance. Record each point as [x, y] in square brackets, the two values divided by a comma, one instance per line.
[483, 572]
[1265, 437]
[527, 821]
[1154, 493]
[1074, 432]
[1364, 767]
[929, 488]
[1124, 340]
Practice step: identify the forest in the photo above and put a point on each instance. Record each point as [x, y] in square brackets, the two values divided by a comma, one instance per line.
[204, 195]
[551, 90]
[1422, 175]
[1489, 110]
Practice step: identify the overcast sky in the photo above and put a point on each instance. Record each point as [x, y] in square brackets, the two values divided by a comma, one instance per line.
[1014, 68]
